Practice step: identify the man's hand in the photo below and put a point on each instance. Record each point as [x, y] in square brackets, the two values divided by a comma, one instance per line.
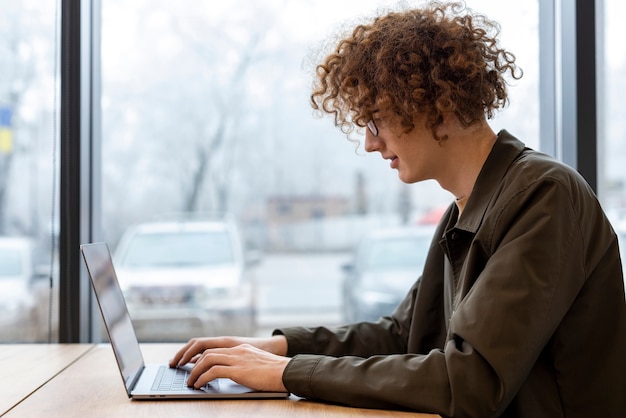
[245, 364]
[196, 346]
[254, 362]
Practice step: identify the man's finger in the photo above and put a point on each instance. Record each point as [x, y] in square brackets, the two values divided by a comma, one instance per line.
[210, 375]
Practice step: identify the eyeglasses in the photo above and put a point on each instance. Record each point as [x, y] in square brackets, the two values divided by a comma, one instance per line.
[371, 125]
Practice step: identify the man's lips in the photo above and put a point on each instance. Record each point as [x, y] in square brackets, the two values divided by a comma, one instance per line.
[394, 161]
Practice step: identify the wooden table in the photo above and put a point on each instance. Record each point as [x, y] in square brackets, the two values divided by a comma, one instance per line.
[87, 384]
[27, 367]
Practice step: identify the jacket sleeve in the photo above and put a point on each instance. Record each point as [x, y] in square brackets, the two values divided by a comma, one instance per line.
[531, 271]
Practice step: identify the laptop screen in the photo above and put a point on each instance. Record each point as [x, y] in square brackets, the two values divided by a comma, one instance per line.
[114, 311]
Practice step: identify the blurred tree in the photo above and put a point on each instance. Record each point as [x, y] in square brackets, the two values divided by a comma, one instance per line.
[20, 34]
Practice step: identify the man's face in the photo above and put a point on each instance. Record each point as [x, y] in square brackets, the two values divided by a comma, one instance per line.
[416, 155]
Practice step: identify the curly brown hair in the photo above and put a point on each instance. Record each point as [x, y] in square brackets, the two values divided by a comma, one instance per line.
[432, 60]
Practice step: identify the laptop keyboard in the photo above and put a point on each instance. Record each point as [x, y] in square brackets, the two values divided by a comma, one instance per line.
[175, 380]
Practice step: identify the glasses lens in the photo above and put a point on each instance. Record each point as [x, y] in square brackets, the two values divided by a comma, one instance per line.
[372, 127]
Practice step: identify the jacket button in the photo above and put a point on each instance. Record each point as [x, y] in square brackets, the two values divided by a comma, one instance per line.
[454, 235]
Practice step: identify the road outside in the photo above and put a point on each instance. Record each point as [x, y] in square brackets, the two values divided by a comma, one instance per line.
[299, 289]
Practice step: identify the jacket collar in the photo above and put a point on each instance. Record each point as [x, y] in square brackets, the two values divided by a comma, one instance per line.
[504, 152]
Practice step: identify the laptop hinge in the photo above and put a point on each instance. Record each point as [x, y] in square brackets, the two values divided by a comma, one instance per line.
[131, 387]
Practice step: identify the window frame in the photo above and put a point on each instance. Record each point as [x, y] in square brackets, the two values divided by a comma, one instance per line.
[79, 165]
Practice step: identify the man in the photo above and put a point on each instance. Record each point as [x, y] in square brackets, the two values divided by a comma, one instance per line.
[520, 311]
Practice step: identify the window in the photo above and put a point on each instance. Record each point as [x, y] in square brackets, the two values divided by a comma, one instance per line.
[611, 116]
[205, 114]
[28, 216]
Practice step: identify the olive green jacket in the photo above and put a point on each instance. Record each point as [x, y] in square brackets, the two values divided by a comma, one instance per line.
[520, 311]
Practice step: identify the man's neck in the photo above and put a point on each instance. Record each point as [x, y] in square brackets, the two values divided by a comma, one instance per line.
[467, 149]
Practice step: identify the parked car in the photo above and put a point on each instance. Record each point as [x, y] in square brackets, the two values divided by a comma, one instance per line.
[187, 278]
[384, 266]
[17, 302]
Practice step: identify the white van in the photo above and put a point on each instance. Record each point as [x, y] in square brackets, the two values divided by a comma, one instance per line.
[186, 278]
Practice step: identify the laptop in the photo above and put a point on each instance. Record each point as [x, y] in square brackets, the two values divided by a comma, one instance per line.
[147, 381]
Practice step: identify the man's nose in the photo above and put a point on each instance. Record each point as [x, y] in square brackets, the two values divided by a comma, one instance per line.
[372, 143]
